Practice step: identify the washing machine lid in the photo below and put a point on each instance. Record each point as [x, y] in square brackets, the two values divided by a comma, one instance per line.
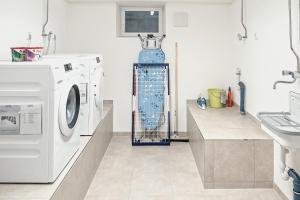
[69, 108]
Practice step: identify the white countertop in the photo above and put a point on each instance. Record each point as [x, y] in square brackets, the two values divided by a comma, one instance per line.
[43, 191]
[225, 123]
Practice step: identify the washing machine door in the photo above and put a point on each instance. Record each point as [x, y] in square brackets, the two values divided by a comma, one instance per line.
[69, 110]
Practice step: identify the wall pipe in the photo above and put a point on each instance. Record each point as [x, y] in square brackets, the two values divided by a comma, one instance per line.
[291, 36]
[46, 36]
[283, 168]
[240, 36]
[47, 19]
[295, 75]
[287, 173]
[54, 39]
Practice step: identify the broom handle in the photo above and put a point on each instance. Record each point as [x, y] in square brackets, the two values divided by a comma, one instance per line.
[176, 89]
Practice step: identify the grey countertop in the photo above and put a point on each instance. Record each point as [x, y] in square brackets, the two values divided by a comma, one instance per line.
[45, 191]
[225, 123]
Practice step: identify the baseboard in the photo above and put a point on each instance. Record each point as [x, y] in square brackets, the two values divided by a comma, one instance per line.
[108, 102]
[280, 193]
[121, 134]
[182, 134]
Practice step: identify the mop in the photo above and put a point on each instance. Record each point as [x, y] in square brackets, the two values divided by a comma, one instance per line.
[176, 137]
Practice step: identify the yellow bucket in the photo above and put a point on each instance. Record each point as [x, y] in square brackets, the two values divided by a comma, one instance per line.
[214, 96]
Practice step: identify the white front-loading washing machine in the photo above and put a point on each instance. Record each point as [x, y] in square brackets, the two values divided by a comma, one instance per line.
[96, 93]
[83, 119]
[39, 109]
[91, 113]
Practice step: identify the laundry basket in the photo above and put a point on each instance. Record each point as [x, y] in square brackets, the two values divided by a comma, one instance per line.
[214, 96]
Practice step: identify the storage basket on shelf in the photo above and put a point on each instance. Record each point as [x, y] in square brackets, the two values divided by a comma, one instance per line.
[22, 54]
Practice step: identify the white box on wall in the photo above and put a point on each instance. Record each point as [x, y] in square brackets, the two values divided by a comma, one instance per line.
[180, 19]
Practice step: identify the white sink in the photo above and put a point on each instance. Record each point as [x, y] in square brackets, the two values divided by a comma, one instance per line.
[284, 127]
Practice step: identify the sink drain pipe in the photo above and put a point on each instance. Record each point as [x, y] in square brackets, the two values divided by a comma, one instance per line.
[283, 168]
[296, 182]
[287, 173]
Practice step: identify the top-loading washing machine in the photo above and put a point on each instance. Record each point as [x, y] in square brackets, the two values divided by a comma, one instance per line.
[92, 113]
[39, 110]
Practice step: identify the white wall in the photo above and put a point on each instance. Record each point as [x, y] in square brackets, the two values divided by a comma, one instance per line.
[18, 18]
[204, 56]
[203, 51]
[262, 59]
[209, 51]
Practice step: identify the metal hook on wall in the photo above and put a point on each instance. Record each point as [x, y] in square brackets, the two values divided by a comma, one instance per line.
[245, 36]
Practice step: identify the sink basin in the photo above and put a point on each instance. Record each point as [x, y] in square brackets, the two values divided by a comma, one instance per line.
[284, 127]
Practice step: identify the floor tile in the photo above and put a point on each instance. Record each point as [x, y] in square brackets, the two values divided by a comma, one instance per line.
[158, 173]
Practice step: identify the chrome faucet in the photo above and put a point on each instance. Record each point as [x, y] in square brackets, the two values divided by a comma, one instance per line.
[294, 75]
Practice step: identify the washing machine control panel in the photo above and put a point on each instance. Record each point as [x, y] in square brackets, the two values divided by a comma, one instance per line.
[98, 60]
[68, 67]
[63, 71]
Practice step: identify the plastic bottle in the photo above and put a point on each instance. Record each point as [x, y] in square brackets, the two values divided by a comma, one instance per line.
[230, 100]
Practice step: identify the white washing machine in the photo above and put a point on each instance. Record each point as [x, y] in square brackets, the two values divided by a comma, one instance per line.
[83, 119]
[39, 109]
[92, 113]
[96, 92]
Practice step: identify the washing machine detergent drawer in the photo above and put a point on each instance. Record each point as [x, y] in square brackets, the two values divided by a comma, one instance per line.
[21, 119]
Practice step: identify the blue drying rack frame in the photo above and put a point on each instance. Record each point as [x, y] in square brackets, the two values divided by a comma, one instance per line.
[139, 137]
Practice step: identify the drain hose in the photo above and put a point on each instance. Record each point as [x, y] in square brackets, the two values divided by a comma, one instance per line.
[242, 103]
[296, 181]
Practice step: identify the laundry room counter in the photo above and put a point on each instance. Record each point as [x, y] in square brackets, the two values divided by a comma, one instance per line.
[225, 123]
[74, 180]
[231, 150]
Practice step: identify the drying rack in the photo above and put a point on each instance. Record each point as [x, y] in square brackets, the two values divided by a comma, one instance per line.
[151, 104]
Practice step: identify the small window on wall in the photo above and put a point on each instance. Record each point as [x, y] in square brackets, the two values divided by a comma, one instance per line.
[141, 20]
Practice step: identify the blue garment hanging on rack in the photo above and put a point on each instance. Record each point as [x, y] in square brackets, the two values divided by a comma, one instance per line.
[151, 88]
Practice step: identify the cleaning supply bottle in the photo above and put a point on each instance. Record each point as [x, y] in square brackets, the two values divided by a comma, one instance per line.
[229, 100]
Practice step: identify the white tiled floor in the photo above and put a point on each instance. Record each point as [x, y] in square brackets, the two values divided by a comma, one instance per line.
[157, 173]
